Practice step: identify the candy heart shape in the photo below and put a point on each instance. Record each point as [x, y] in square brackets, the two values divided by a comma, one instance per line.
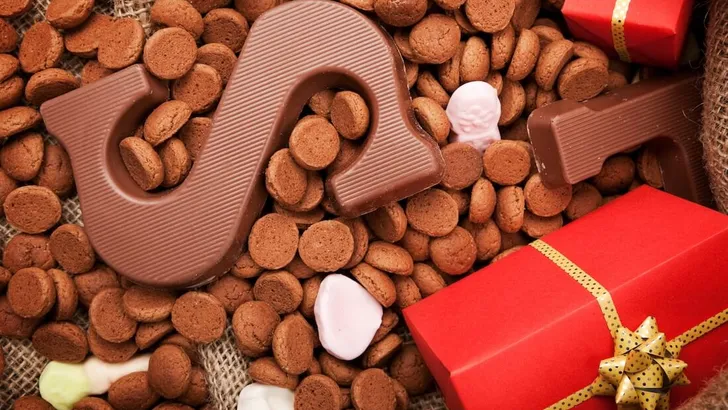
[347, 317]
[474, 110]
[257, 396]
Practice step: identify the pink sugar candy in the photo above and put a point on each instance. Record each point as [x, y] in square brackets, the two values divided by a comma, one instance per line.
[474, 111]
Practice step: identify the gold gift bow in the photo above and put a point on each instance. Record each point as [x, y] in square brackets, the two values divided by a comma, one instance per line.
[643, 351]
[619, 16]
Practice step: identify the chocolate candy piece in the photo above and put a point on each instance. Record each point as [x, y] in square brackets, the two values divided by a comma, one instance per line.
[224, 192]
[571, 140]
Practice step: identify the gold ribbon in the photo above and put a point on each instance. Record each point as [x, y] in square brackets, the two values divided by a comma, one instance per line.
[619, 16]
[645, 366]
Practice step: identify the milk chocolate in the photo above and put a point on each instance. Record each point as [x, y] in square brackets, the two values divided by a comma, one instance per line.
[196, 231]
[571, 140]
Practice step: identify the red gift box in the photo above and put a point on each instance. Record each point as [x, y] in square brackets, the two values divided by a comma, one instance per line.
[523, 334]
[653, 30]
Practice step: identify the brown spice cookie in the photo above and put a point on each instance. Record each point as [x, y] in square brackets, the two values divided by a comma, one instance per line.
[360, 233]
[475, 62]
[401, 40]
[544, 201]
[417, 244]
[252, 9]
[72, 249]
[199, 317]
[93, 71]
[66, 295]
[350, 115]
[509, 209]
[176, 161]
[435, 38]
[482, 201]
[285, 180]
[201, 87]
[5, 276]
[320, 102]
[61, 341]
[194, 134]
[525, 55]
[582, 49]
[487, 238]
[507, 162]
[531, 90]
[317, 392]
[582, 79]
[455, 253]
[225, 26]
[67, 14]
[8, 37]
[538, 226]
[343, 373]
[55, 171]
[92, 403]
[204, 6]
[188, 346]
[245, 267]
[388, 222]
[148, 334]
[462, 20]
[407, 292]
[427, 279]
[148, 305]
[302, 219]
[428, 86]
[165, 121]
[31, 403]
[373, 389]
[490, 16]
[310, 288]
[389, 258]
[314, 143]
[544, 98]
[22, 156]
[648, 168]
[49, 83]
[31, 293]
[518, 131]
[280, 289]
[142, 162]
[108, 317]
[525, 14]
[293, 345]
[401, 395]
[121, 43]
[400, 13]
[379, 353]
[432, 212]
[273, 241]
[91, 283]
[11, 91]
[553, 58]
[585, 198]
[547, 35]
[463, 165]
[197, 394]
[502, 47]
[432, 117]
[266, 371]
[409, 368]
[231, 292]
[12, 325]
[132, 392]
[348, 152]
[218, 56]
[170, 53]
[41, 48]
[253, 325]
[85, 40]
[32, 209]
[169, 371]
[616, 80]
[449, 71]
[376, 282]
[616, 175]
[178, 13]
[16, 120]
[366, 5]
[513, 102]
[389, 322]
[8, 66]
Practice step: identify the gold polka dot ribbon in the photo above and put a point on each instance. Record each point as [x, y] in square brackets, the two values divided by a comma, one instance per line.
[645, 365]
[619, 16]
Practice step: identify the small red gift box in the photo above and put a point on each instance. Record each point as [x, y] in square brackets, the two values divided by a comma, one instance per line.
[650, 32]
[523, 333]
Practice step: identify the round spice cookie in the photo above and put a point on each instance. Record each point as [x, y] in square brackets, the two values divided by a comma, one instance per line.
[66, 295]
[110, 352]
[61, 341]
[648, 168]
[293, 345]
[285, 180]
[31, 403]
[149, 334]
[616, 175]
[320, 102]
[544, 201]
[266, 371]
[8, 37]
[188, 346]
[302, 219]
[5, 276]
[326, 246]
[16, 120]
[401, 40]
[348, 152]
[582, 79]
[8, 66]
[538, 226]
[388, 223]
[225, 26]
[170, 53]
[91, 283]
[315, 367]
[273, 241]
[379, 353]
[432, 117]
[67, 14]
[525, 14]
[72, 249]
[26, 251]
[495, 79]
[12, 325]
[92, 403]
[435, 38]
[204, 6]
[553, 58]
[428, 86]
[513, 102]
[547, 35]
[176, 161]
[400, 13]
[582, 49]
[314, 143]
[400, 393]
[148, 305]
[21, 157]
[616, 80]
[407, 292]
[280, 289]
[455, 253]
[450, 4]
[427, 279]
[84, 41]
[178, 13]
[231, 292]
[245, 267]
[197, 394]
[31, 293]
[121, 43]
[372, 389]
[92, 71]
[341, 372]
[389, 322]
[252, 9]
[376, 282]
[169, 371]
[350, 115]
[132, 392]
[490, 16]
[310, 288]
[585, 198]
[462, 20]
[32, 209]
[317, 392]
[518, 131]
[201, 87]
[142, 162]
[360, 233]
[487, 238]
[194, 134]
[525, 55]
[218, 56]
[417, 244]
[49, 83]
[365, 5]
[389, 258]
[502, 47]
[107, 315]
[11, 91]
[199, 317]
[482, 201]
[41, 48]
[449, 71]
[409, 368]
[507, 162]
[531, 90]
[432, 212]
[463, 165]
[544, 98]
[165, 121]
[475, 62]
